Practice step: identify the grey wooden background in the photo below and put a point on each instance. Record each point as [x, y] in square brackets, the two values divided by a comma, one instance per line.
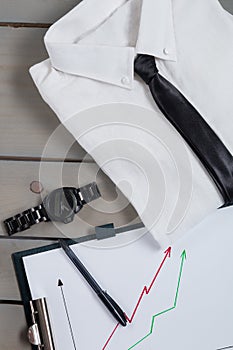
[26, 124]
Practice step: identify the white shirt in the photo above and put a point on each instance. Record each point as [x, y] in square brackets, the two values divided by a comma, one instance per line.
[91, 54]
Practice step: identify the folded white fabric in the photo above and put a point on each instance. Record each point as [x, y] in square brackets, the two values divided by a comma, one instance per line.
[88, 81]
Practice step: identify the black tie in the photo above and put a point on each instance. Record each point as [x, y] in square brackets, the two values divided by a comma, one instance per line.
[189, 123]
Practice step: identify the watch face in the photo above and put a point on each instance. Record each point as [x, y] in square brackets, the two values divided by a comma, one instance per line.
[61, 205]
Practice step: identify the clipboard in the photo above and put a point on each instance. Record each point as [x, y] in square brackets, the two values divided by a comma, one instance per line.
[40, 333]
[171, 289]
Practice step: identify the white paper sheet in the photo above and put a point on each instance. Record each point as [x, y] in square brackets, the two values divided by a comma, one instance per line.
[192, 295]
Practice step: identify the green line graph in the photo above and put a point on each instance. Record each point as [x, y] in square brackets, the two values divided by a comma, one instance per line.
[183, 258]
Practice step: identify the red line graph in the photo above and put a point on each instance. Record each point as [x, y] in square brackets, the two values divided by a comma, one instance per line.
[145, 291]
[111, 335]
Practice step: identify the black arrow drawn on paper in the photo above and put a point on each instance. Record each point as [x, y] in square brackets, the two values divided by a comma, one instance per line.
[60, 284]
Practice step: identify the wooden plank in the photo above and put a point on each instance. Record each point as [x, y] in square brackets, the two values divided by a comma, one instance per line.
[34, 11]
[26, 122]
[13, 328]
[16, 195]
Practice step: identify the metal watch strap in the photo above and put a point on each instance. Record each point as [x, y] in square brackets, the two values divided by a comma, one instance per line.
[88, 193]
[32, 216]
[26, 219]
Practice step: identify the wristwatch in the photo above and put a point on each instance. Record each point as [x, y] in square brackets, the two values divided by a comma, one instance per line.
[60, 205]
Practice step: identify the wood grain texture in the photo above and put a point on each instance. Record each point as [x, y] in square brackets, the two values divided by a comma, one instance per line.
[16, 195]
[24, 25]
[26, 122]
[34, 10]
[13, 328]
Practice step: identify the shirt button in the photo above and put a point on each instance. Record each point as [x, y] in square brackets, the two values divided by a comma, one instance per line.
[165, 51]
[125, 80]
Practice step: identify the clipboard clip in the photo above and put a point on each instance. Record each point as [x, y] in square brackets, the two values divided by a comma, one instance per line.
[40, 333]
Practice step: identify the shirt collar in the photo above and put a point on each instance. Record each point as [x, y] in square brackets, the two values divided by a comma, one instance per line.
[155, 37]
[156, 31]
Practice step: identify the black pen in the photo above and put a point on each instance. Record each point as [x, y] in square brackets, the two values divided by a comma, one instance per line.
[110, 304]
